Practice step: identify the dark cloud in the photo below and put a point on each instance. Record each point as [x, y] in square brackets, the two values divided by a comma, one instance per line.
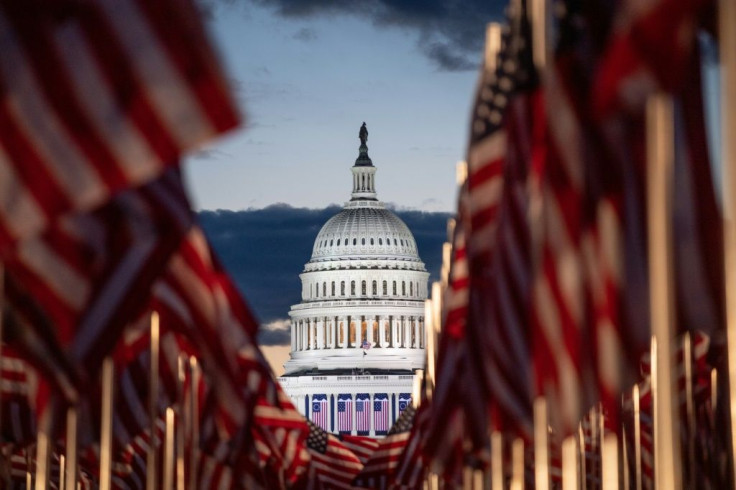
[265, 250]
[450, 32]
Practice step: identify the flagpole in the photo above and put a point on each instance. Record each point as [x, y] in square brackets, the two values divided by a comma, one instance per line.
[71, 460]
[581, 455]
[42, 450]
[626, 456]
[151, 480]
[570, 464]
[169, 455]
[180, 470]
[637, 435]
[660, 158]
[727, 53]
[496, 460]
[193, 422]
[108, 374]
[541, 445]
[517, 464]
[429, 342]
[687, 355]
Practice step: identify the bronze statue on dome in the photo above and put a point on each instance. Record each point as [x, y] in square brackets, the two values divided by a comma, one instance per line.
[363, 134]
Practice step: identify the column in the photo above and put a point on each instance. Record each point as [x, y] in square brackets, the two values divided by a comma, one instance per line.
[358, 326]
[321, 333]
[293, 336]
[382, 331]
[303, 328]
[422, 334]
[369, 326]
[345, 331]
[416, 342]
[336, 331]
[394, 332]
[407, 331]
[313, 330]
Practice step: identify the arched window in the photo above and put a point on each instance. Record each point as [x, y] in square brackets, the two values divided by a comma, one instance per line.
[362, 241]
[385, 288]
[324, 289]
[342, 288]
[355, 241]
[375, 288]
[411, 289]
[338, 242]
[403, 288]
[333, 288]
[380, 241]
[371, 241]
[394, 288]
[310, 291]
[395, 243]
[332, 242]
[352, 288]
[362, 289]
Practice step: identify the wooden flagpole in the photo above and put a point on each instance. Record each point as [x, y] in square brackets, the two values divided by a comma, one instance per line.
[609, 455]
[182, 362]
[193, 423]
[62, 477]
[687, 356]
[108, 374]
[151, 469]
[625, 454]
[637, 436]
[570, 464]
[71, 460]
[727, 55]
[541, 445]
[581, 455]
[43, 449]
[517, 464]
[660, 159]
[497, 460]
[169, 454]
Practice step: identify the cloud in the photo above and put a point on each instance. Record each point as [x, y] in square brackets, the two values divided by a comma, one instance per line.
[277, 332]
[265, 250]
[305, 34]
[450, 32]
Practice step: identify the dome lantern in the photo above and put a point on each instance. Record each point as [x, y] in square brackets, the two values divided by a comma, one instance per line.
[364, 186]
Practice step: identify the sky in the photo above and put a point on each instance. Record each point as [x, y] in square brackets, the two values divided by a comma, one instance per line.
[308, 73]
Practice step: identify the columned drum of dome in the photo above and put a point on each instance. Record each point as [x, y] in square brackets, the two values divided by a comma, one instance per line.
[357, 336]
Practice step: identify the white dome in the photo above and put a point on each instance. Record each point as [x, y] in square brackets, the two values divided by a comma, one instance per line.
[363, 290]
[364, 229]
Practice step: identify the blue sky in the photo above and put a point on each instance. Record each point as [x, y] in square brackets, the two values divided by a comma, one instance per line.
[307, 80]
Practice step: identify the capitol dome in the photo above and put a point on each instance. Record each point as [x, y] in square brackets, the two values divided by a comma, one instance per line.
[363, 289]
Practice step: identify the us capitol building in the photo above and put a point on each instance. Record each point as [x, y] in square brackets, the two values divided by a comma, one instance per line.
[357, 336]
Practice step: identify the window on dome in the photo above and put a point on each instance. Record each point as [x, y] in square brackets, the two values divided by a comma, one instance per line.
[411, 289]
[385, 288]
[375, 288]
[324, 289]
[355, 241]
[394, 288]
[352, 288]
[362, 289]
[316, 291]
[402, 243]
[371, 241]
[342, 288]
[380, 241]
[395, 243]
[338, 242]
[332, 242]
[362, 241]
[403, 288]
[333, 288]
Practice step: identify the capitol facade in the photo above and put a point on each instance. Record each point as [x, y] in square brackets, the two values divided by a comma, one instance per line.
[357, 336]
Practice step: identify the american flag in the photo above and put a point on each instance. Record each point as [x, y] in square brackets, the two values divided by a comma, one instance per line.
[362, 413]
[98, 97]
[320, 413]
[380, 470]
[18, 388]
[344, 413]
[361, 446]
[74, 288]
[404, 402]
[332, 465]
[380, 413]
